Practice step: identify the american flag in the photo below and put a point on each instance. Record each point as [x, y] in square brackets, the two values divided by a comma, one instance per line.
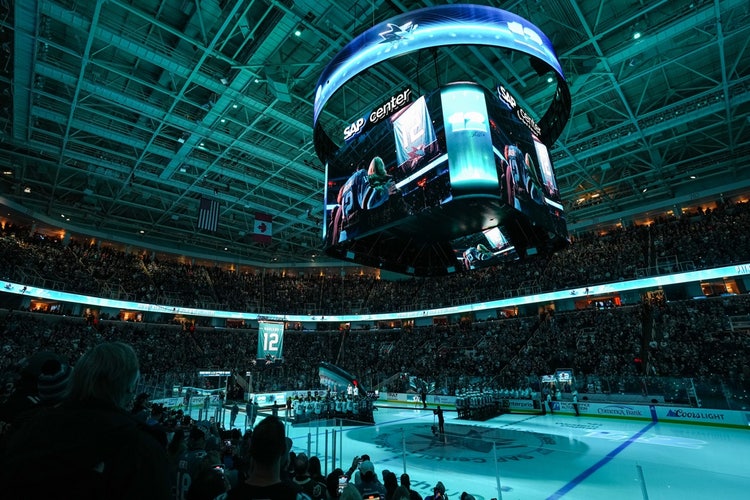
[208, 214]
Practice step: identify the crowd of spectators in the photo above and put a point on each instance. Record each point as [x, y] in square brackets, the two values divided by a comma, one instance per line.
[633, 344]
[676, 339]
[695, 240]
[114, 444]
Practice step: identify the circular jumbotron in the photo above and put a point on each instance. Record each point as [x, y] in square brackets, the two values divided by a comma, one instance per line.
[448, 176]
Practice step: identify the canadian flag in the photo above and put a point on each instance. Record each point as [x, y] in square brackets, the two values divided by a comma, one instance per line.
[262, 230]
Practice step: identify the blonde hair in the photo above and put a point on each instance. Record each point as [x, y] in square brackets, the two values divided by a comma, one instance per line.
[108, 372]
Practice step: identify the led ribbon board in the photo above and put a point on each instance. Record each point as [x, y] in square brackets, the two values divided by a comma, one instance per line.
[441, 26]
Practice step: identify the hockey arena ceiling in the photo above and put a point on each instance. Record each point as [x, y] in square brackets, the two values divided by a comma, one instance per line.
[117, 116]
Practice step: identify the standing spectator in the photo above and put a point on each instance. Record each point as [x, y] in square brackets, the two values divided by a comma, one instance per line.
[314, 469]
[438, 493]
[390, 482]
[91, 446]
[192, 461]
[369, 483]
[441, 419]
[401, 493]
[268, 451]
[314, 489]
[233, 415]
[42, 383]
[206, 406]
[549, 402]
[251, 412]
[406, 483]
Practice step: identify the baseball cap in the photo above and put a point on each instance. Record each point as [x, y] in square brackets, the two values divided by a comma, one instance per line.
[366, 466]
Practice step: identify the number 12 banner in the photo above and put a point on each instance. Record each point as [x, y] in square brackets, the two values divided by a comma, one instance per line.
[270, 340]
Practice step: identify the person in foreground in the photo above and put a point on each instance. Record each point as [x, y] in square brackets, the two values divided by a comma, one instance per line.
[269, 451]
[91, 446]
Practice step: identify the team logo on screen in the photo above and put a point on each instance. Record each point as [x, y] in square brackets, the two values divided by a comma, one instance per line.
[526, 32]
[397, 33]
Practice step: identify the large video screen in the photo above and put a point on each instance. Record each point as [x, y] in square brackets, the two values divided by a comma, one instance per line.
[483, 249]
[454, 165]
[386, 173]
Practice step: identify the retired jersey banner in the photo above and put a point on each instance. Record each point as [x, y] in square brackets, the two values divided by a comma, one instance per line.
[414, 135]
[270, 340]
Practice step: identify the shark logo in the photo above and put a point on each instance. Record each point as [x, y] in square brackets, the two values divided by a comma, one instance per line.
[397, 33]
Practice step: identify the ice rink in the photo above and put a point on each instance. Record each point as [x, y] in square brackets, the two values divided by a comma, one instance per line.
[543, 457]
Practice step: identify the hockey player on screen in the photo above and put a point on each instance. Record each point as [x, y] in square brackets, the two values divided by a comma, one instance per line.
[472, 255]
[364, 190]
